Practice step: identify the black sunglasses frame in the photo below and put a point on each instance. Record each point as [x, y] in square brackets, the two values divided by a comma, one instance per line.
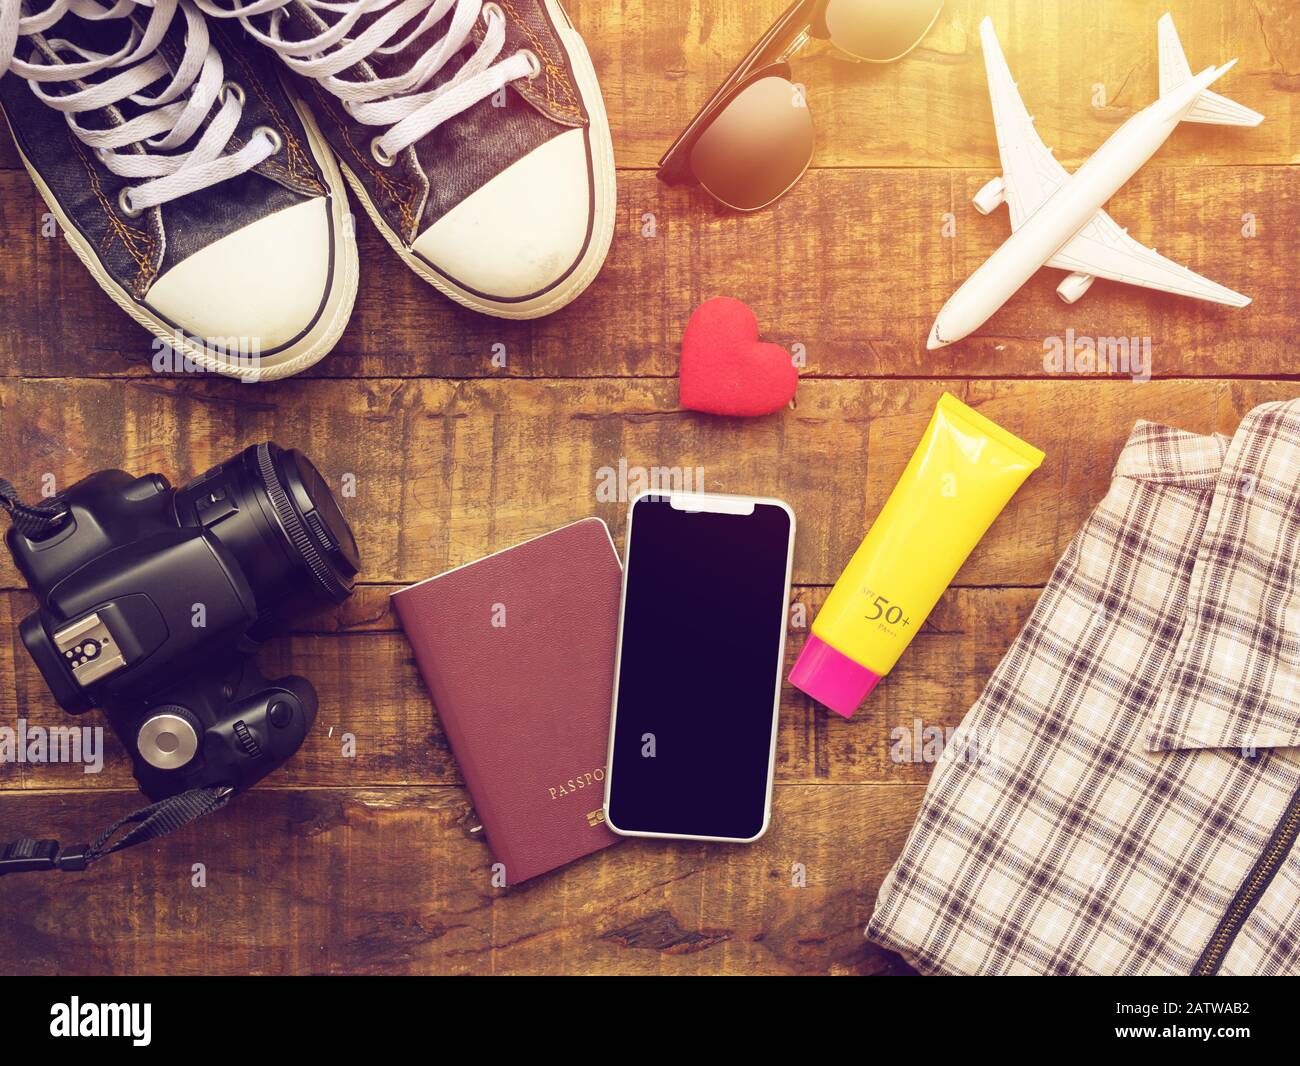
[769, 57]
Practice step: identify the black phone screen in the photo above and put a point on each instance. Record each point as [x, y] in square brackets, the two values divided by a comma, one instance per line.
[704, 614]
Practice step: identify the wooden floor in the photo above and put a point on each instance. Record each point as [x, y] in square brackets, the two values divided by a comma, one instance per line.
[367, 864]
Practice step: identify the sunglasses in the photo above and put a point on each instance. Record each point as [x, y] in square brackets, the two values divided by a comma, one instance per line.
[753, 140]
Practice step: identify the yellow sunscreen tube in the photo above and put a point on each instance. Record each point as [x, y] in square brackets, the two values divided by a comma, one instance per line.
[960, 477]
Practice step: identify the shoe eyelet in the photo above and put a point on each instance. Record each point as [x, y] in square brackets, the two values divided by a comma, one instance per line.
[493, 9]
[233, 88]
[277, 142]
[124, 202]
[534, 64]
[381, 157]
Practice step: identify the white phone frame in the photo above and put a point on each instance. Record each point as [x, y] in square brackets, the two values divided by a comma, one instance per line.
[724, 504]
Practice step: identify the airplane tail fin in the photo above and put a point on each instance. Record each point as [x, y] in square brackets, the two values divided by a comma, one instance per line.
[1210, 107]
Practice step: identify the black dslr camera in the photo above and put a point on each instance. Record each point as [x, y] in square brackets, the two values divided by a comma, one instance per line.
[151, 601]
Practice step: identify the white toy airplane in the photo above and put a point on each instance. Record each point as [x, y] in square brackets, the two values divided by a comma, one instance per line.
[1057, 218]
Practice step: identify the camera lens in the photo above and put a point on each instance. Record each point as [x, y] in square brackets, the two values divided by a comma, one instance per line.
[272, 510]
[310, 518]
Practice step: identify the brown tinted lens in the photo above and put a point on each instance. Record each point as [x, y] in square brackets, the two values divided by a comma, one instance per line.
[757, 146]
[879, 30]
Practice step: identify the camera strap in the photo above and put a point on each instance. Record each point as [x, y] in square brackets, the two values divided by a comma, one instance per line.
[30, 519]
[148, 823]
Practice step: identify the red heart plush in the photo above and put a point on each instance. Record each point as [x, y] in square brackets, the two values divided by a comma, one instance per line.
[726, 369]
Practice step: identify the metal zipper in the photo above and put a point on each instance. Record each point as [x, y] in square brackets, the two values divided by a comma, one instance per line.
[1250, 892]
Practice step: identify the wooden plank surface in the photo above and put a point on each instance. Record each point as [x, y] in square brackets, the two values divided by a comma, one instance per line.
[370, 691]
[447, 471]
[369, 864]
[1083, 68]
[392, 881]
[857, 297]
[659, 61]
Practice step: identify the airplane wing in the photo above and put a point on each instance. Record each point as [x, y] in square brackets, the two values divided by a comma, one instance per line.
[1029, 170]
[1104, 249]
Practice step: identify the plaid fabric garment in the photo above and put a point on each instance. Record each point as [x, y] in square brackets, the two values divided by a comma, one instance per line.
[1131, 802]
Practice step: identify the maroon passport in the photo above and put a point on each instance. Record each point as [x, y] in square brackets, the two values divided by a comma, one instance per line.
[517, 650]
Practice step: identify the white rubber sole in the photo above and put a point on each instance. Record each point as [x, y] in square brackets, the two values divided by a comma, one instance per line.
[604, 201]
[307, 350]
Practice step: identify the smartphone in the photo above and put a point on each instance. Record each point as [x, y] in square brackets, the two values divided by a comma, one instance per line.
[697, 678]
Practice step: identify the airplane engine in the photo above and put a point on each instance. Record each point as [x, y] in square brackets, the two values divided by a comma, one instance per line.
[1074, 286]
[990, 197]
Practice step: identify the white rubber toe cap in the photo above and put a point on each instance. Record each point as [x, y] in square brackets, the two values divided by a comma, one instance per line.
[262, 285]
[521, 232]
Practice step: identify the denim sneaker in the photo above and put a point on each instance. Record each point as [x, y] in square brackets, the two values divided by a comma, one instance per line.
[201, 199]
[473, 134]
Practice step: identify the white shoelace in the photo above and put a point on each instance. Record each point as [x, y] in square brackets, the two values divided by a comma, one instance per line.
[403, 103]
[171, 117]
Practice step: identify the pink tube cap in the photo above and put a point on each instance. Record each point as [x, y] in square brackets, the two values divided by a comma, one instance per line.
[832, 678]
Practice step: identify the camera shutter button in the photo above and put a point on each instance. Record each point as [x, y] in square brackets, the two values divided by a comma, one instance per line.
[281, 714]
[168, 739]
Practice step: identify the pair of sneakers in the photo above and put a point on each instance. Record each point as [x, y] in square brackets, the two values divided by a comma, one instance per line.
[205, 192]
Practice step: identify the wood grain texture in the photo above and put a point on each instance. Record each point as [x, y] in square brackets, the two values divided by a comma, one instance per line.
[369, 864]
[370, 691]
[851, 267]
[447, 471]
[392, 881]
[658, 62]
[1083, 68]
